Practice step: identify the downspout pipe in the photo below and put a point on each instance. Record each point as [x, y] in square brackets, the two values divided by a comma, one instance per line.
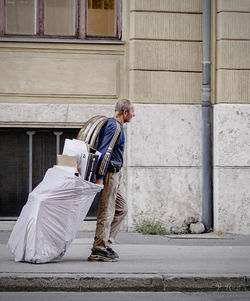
[207, 208]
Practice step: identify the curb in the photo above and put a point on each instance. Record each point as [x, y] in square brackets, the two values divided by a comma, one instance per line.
[120, 282]
[84, 282]
[217, 283]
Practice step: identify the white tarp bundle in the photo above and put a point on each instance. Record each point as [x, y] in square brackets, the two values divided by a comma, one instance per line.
[52, 216]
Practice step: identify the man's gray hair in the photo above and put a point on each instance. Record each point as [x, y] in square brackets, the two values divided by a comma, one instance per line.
[123, 105]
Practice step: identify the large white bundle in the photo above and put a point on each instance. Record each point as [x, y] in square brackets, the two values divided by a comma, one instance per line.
[52, 216]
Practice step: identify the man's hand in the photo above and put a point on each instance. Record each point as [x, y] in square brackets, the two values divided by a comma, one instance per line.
[99, 181]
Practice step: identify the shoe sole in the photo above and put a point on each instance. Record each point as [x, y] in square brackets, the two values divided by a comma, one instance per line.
[101, 258]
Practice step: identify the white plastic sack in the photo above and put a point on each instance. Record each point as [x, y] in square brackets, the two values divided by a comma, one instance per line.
[52, 216]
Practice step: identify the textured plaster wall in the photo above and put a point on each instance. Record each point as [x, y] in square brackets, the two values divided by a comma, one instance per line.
[232, 168]
[163, 155]
[164, 139]
[232, 119]
[163, 150]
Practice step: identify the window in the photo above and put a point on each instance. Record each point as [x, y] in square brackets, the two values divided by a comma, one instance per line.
[25, 156]
[71, 19]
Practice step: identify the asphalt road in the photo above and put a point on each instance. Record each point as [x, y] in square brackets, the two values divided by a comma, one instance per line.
[124, 296]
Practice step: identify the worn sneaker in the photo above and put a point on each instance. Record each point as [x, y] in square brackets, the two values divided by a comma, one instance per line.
[111, 251]
[101, 255]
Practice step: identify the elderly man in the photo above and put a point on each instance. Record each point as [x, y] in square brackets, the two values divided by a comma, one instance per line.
[112, 206]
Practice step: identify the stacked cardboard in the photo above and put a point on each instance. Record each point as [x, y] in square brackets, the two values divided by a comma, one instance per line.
[78, 155]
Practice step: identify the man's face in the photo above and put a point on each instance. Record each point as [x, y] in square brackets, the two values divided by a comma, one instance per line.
[129, 115]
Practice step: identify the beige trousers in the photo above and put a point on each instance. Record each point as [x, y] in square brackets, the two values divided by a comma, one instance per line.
[112, 210]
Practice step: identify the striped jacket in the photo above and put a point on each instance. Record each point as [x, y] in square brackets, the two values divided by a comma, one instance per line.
[111, 142]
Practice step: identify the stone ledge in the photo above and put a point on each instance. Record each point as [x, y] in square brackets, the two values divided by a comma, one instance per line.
[52, 113]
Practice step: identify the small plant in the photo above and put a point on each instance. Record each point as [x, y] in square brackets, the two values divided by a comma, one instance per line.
[150, 227]
[219, 233]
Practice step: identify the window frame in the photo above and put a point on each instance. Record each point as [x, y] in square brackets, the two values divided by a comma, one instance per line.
[80, 24]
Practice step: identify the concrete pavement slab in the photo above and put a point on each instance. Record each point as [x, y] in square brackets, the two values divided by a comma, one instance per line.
[147, 267]
[143, 259]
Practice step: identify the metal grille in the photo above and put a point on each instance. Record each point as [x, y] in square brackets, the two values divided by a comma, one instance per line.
[25, 156]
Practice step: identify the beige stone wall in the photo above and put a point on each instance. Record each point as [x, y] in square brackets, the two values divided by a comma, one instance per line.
[233, 51]
[167, 6]
[163, 145]
[233, 5]
[231, 121]
[82, 73]
[163, 55]
[164, 158]
[158, 68]
[165, 51]
[164, 167]
[231, 168]
[61, 73]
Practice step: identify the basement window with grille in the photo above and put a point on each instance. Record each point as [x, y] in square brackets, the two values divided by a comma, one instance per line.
[25, 156]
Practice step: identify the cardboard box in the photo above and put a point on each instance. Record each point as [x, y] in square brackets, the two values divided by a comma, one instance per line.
[65, 160]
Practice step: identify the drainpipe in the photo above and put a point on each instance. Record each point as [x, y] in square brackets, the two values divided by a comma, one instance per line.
[207, 207]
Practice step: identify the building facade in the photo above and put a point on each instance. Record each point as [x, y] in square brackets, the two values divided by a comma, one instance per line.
[151, 54]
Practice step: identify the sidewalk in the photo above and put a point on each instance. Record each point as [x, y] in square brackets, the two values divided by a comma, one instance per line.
[147, 263]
